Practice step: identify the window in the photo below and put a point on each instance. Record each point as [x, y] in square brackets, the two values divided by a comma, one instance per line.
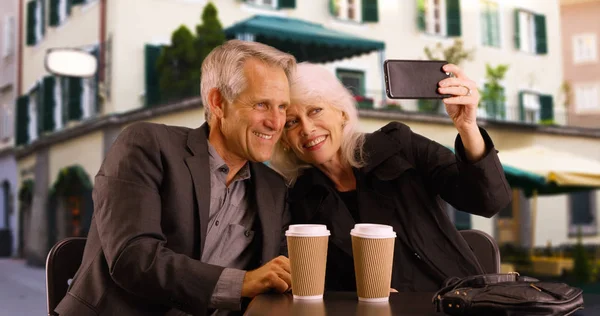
[527, 32]
[354, 80]
[584, 48]
[355, 10]
[530, 32]
[535, 108]
[33, 116]
[490, 26]
[270, 3]
[461, 220]
[435, 17]
[9, 35]
[587, 97]
[59, 11]
[439, 17]
[39, 18]
[6, 119]
[88, 97]
[582, 213]
[531, 105]
[348, 10]
[493, 99]
[59, 97]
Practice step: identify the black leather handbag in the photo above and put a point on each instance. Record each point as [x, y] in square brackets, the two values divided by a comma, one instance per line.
[506, 294]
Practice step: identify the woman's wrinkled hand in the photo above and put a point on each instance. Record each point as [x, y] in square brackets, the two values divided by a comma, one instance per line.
[462, 105]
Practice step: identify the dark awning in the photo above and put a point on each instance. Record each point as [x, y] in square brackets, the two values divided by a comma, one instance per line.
[305, 40]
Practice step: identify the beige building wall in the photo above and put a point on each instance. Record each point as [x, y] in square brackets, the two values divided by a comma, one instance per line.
[398, 29]
[81, 28]
[25, 167]
[85, 151]
[581, 17]
[134, 23]
[191, 118]
[8, 67]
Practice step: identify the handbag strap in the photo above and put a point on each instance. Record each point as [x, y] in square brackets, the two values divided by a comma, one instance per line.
[480, 281]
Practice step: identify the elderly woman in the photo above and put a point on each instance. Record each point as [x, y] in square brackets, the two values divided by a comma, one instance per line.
[392, 176]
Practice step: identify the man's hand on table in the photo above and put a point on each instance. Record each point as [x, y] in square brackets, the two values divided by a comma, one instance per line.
[275, 274]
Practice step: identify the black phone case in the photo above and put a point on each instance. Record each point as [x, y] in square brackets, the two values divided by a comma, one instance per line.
[414, 79]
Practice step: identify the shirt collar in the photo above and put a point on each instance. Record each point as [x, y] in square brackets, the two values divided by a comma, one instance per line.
[218, 165]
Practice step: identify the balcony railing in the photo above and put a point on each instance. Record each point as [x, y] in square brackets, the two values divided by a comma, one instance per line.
[490, 112]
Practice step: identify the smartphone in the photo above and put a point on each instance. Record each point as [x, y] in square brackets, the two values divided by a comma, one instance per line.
[414, 79]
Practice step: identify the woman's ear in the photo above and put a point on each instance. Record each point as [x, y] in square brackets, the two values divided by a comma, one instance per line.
[216, 103]
[344, 118]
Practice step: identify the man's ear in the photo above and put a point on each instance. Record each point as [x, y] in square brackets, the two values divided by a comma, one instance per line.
[216, 103]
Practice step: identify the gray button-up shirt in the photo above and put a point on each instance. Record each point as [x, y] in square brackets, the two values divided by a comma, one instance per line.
[229, 235]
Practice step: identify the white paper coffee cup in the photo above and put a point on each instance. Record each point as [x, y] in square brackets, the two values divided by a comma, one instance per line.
[373, 251]
[307, 248]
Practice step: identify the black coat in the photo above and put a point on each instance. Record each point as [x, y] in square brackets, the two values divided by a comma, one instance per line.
[401, 185]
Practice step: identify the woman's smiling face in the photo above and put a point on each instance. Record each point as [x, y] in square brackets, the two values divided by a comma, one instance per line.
[314, 132]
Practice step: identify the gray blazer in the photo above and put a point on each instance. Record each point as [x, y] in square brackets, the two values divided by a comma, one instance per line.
[151, 208]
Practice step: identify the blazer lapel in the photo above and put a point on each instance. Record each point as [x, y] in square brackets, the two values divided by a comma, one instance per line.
[265, 204]
[198, 166]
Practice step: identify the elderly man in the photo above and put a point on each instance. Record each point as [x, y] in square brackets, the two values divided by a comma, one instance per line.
[190, 220]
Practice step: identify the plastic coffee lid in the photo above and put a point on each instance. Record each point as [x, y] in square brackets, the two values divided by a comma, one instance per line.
[307, 231]
[373, 231]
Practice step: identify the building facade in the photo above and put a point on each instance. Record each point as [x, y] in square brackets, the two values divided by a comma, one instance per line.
[64, 125]
[8, 93]
[581, 62]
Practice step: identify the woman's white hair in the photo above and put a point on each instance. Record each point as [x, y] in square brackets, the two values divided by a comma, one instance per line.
[223, 68]
[311, 84]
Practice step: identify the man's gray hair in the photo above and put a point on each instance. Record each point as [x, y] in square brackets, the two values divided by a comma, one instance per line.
[223, 68]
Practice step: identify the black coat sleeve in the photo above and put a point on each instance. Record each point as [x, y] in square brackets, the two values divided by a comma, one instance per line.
[478, 188]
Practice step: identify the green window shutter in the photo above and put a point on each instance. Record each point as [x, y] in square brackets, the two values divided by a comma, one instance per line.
[42, 3]
[39, 110]
[485, 25]
[421, 15]
[152, 79]
[453, 17]
[31, 7]
[546, 108]
[521, 106]
[64, 90]
[541, 40]
[286, 4]
[22, 118]
[370, 11]
[502, 103]
[490, 105]
[49, 104]
[76, 2]
[75, 90]
[54, 12]
[517, 31]
[495, 27]
[96, 52]
[69, 6]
